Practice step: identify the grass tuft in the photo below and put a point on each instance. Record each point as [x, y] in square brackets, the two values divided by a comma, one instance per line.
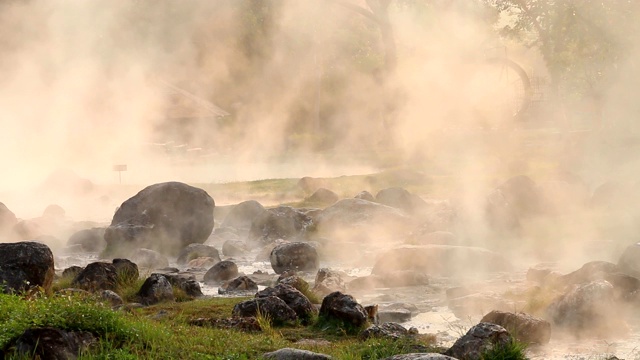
[513, 350]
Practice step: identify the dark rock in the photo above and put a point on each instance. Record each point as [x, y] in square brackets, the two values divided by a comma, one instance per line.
[220, 272]
[441, 260]
[385, 330]
[97, 276]
[294, 256]
[365, 195]
[478, 340]
[193, 251]
[149, 259]
[186, 283]
[164, 217]
[113, 298]
[156, 288]
[234, 248]
[283, 222]
[91, 240]
[343, 308]
[525, 328]
[248, 324]
[323, 196]
[127, 271]
[243, 214]
[52, 344]
[295, 354]
[272, 307]
[242, 284]
[25, 265]
[293, 298]
[72, 271]
[328, 281]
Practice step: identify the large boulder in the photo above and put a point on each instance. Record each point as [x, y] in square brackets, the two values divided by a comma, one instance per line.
[126, 270]
[297, 256]
[194, 251]
[328, 281]
[283, 222]
[322, 196]
[442, 260]
[401, 199]
[242, 215]
[156, 288]
[25, 265]
[343, 308]
[478, 340]
[187, 283]
[295, 354]
[149, 259]
[51, 343]
[90, 240]
[272, 307]
[293, 298]
[629, 262]
[164, 217]
[7, 220]
[524, 327]
[388, 330]
[220, 272]
[234, 248]
[97, 276]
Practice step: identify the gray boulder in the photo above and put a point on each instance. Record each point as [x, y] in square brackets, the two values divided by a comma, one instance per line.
[97, 276]
[283, 222]
[525, 328]
[328, 281]
[164, 217]
[220, 272]
[234, 248]
[385, 330]
[297, 256]
[344, 308]
[25, 265]
[51, 343]
[272, 307]
[241, 284]
[126, 270]
[365, 195]
[194, 251]
[243, 214]
[149, 259]
[186, 283]
[479, 339]
[401, 199]
[155, 289]
[91, 240]
[322, 196]
[295, 354]
[293, 298]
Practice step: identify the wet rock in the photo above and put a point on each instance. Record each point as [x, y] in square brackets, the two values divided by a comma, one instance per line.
[220, 272]
[479, 339]
[442, 260]
[72, 271]
[97, 276]
[588, 309]
[296, 256]
[25, 265]
[234, 248]
[91, 240]
[273, 307]
[322, 196]
[420, 356]
[365, 195]
[328, 281]
[241, 284]
[525, 328]
[127, 271]
[149, 259]
[283, 222]
[51, 343]
[194, 251]
[186, 283]
[155, 289]
[243, 214]
[343, 307]
[385, 330]
[164, 217]
[303, 308]
[110, 296]
[295, 354]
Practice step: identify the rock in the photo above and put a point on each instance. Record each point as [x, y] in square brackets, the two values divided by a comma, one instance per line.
[91, 240]
[241, 284]
[54, 212]
[202, 263]
[444, 260]
[295, 354]
[243, 214]
[404, 278]
[478, 303]
[525, 328]
[25, 265]
[295, 256]
[588, 309]
[52, 343]
[186, 283]
[343, 308]
[127, 271]
[385, 330]
[220, 272]
[322, 196]
[113, 298]
[97, 276]
[194, 251]
[272, 307]
[365, 195]
[349, 217]
[265, 253]
[479, 339]
[149, 259]
[394, 315]
[164, 217]
[283, 222]
[591, 271]
[365, 283]
[401, 199]
[27, 229]
[629, 262]
[234, 248]
[328, 281]
[522, 194]
[299, 303]
[71, 272]
[248, 324]
[309, 184]
[156, 288]
[294, 281]
[420, 356]
[7, 220]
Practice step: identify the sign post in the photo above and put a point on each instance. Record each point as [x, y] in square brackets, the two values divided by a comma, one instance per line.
[120, 169]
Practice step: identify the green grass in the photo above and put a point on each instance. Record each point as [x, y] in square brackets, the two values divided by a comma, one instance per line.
[513, 350]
